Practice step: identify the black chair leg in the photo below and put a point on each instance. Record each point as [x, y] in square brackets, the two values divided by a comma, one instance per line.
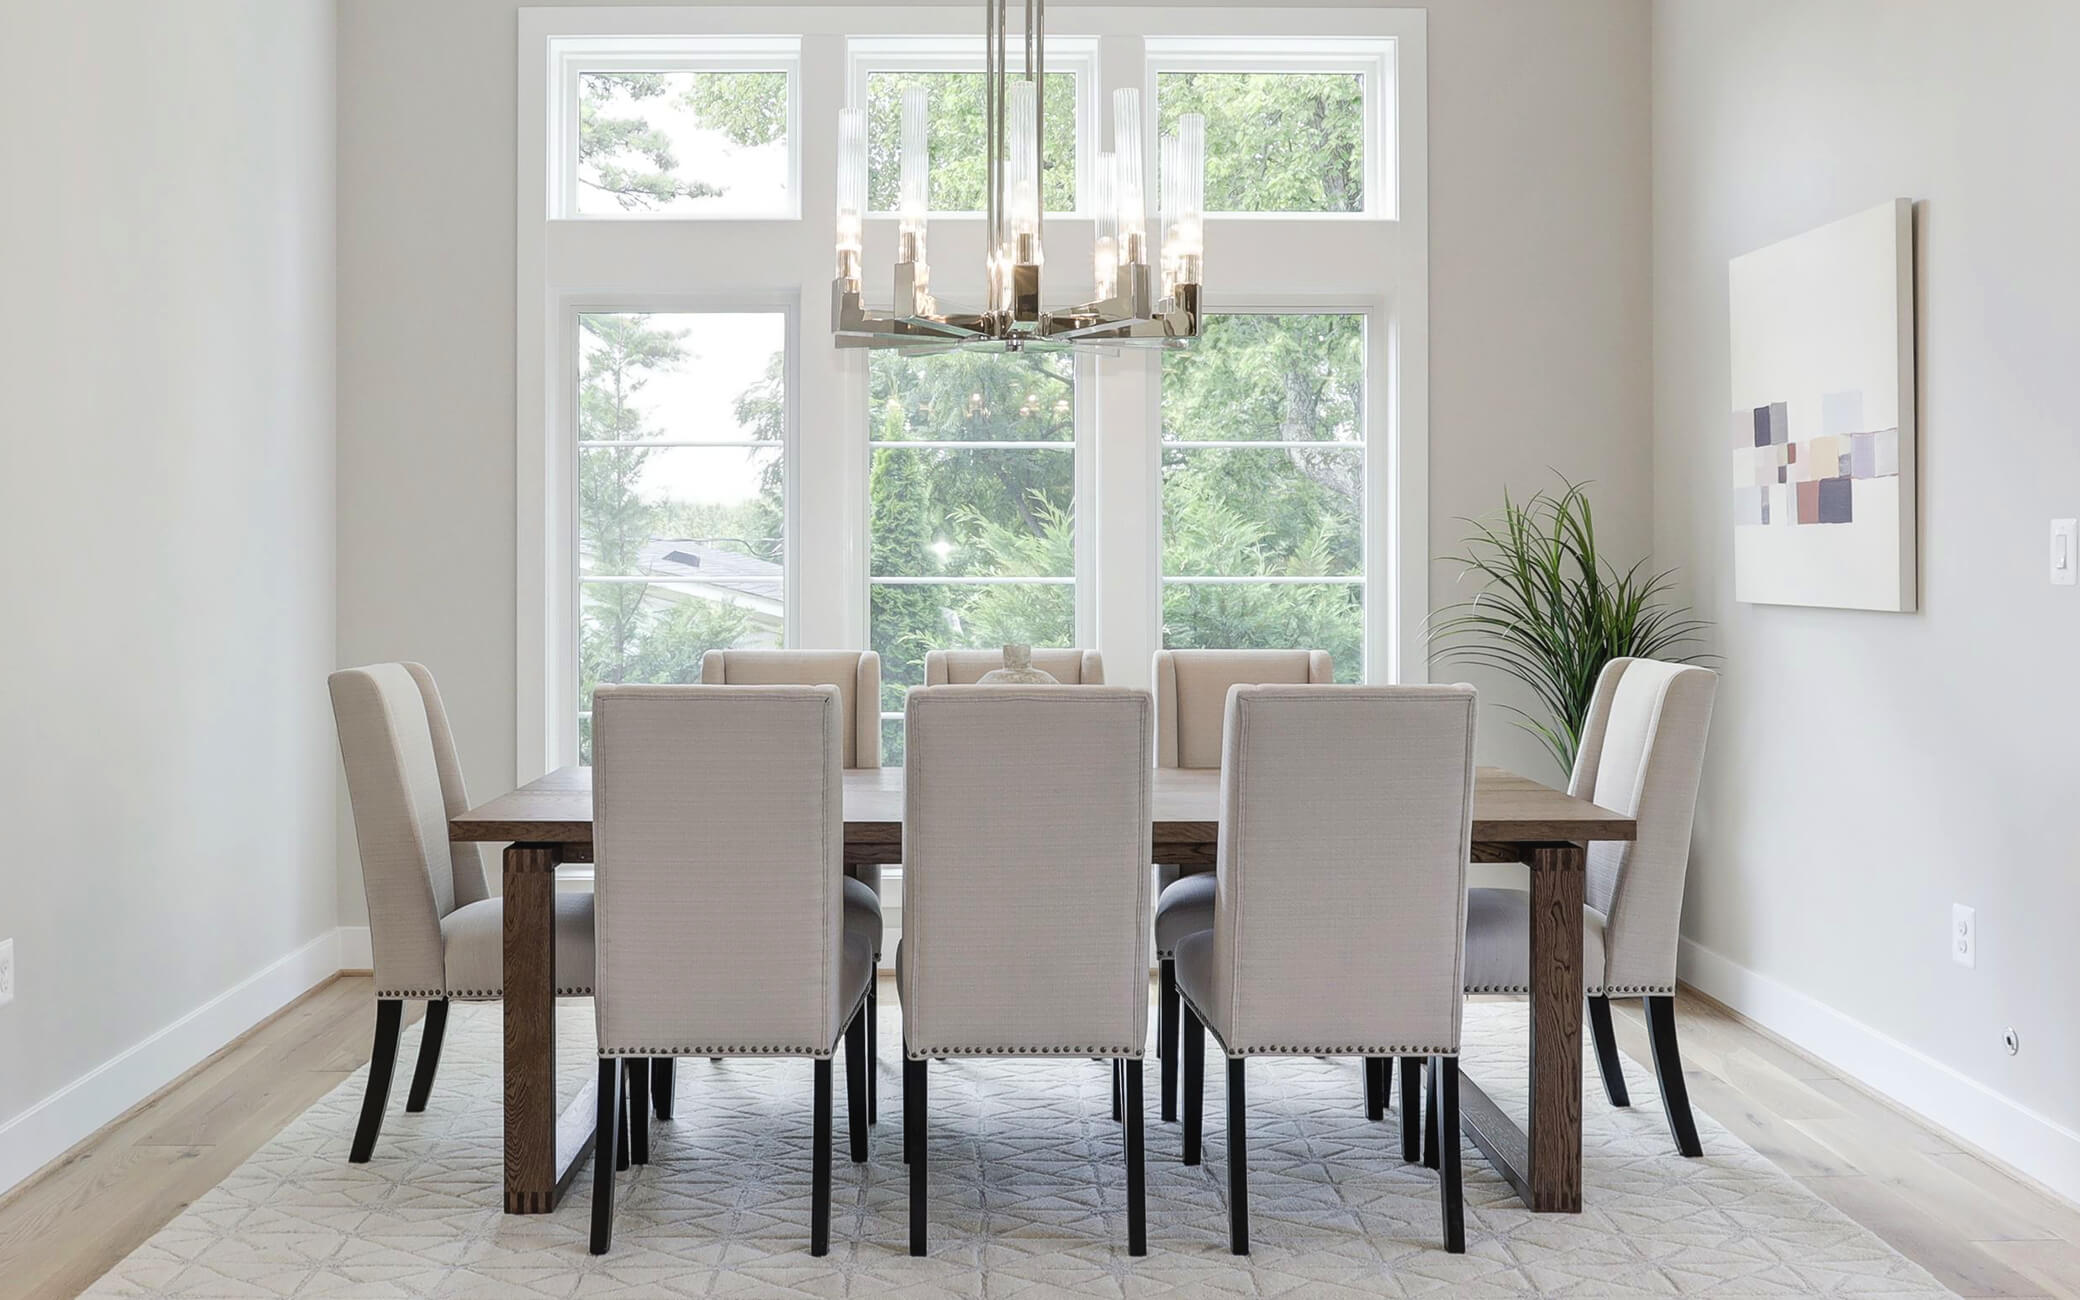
[431, 1032]
[874, 1046]
[1238, 1160]
[856, 1072]
[1668, 1071]
[382, 1064]
[606, 1138]
[1607, 1052]
[1166, 1036]
[1430, 1143]
[1444, 1085]
[820, 1164]
[663, 1080]
[1137, 1180]
[1192, 1046]
[622, 1155]
[913, 1134]
[1376, 1087]
[638, 1109]
[1411, 1109]
[1117, 1070]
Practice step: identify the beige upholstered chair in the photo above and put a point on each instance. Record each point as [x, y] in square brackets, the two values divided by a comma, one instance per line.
[435, 930]
[1642, 753]
[719, 829]
[1340, 806]
[965, 667]
[1025, 852]
[1191, 688]
[857, 675]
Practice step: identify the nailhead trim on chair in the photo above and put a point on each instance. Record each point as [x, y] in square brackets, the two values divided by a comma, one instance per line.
[724, 1049]
[492, 995]
[1628, 991]
[927, 1053]
[1336, 1050]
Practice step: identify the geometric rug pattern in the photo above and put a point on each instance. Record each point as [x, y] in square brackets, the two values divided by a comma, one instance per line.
[1028, 1196]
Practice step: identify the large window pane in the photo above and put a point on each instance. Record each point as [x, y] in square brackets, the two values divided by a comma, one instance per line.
[682, 376]
[682, 144]
[973, 512]
[971, 397]
[1269, 616]
[1275, 141]
[955, 134]
[658, 631]
[912, 618]
[1289, 511]
[1267, 377]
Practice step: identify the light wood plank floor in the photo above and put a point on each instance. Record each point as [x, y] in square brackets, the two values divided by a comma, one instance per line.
[1979, 1230]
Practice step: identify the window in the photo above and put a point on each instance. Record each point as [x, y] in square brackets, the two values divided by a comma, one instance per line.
[1291, 126]
[1263, 487]
[680, 129]
[972, 509]
[681, 484]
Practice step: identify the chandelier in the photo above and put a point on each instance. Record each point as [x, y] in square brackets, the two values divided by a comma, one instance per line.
[1139, 301]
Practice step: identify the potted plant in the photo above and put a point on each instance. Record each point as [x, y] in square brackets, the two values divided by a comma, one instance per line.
[1553, 611]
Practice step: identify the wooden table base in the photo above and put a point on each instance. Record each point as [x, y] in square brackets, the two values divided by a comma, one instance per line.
[543, 1147]
[1544, 1164]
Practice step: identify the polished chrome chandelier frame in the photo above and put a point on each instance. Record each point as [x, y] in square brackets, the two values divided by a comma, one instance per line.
[1138, 303]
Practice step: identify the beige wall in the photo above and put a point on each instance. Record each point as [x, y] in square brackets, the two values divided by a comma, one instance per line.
[166, 466]
[1870, 770]
[1538, 321]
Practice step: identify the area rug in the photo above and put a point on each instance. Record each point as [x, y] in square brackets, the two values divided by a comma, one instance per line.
[1028, 1197]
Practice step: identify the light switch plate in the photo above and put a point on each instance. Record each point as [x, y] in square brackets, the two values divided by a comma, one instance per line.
[6, 971]
[2064, 533]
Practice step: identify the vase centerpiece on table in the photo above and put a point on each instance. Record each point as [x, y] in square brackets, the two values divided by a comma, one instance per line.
[1018, 670]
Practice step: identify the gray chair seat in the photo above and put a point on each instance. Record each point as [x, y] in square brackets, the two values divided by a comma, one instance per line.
[1498, 943]
[855, 968]
[863, 912]
[1184, 909]
[1194, 958]
[474, 941]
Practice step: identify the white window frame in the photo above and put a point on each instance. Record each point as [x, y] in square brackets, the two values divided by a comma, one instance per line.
[571, 57]
[782, 305]
[1375, 488]
[1374, 61]
[1376, 260]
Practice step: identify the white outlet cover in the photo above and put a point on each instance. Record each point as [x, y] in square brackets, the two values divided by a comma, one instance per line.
[6, 971]
[1964, 935]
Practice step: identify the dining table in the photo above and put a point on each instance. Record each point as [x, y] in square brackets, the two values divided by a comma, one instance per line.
[547, 823]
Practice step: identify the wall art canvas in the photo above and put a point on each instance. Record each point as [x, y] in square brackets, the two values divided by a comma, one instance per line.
[1823, 415]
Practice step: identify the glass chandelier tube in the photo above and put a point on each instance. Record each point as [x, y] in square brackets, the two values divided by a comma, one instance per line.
[1187, 234]
[914, 194]
[852, 190]
[1022, 188]
[1105, 246]
[1129, 192]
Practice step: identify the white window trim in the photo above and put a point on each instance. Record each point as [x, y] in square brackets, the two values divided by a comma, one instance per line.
[562, 262]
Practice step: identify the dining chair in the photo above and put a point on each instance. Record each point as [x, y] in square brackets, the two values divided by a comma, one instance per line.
[1340, 806]
[966, 667]
[1641, 754]
[1191, 689]
[857, 675]
[719, 830]
[1026, 837]
[435, 929]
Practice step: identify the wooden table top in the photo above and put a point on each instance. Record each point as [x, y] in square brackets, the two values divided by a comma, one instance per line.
[1507, 809]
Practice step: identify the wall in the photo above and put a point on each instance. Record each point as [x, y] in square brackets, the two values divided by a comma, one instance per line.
[166, 542]
[1538, 342]
[1868, 770]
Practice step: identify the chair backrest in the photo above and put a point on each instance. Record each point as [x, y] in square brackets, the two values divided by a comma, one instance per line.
[856, 674]
[1192, 694]
[1642, 753]
[472, 885]
[395, 782]
[1025, 885]
[965, 667]
[719, 834]
[1340, 916]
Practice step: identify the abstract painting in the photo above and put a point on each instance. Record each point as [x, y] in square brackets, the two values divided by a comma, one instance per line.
[1822, 329]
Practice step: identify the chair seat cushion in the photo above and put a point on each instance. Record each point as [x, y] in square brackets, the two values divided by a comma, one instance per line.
[1498, 943]
[863, 913]
[868, 874]
[473, 938]
[1184, 908]
[1194, 958]
[855, 969]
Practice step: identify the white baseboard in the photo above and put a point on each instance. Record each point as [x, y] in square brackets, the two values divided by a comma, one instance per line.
[2029, 1142]
[52, 1126]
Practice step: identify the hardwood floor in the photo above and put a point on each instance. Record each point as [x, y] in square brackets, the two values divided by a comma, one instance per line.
[1980, 1231]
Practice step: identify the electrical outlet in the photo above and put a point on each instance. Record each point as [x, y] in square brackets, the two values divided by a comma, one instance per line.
[6, 971]
[1964, 935]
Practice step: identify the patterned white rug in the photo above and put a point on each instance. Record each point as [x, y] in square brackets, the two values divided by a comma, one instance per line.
[1028, 1197]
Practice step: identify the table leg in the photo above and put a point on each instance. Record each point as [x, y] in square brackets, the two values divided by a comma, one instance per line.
[543, 1150]
[1545, 1164]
